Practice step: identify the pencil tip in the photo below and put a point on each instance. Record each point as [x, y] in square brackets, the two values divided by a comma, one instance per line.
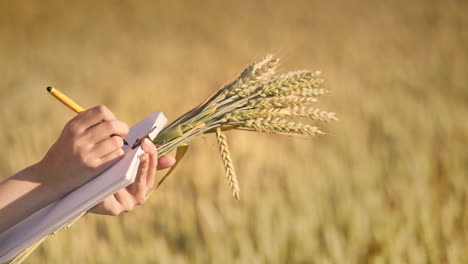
[49, 88]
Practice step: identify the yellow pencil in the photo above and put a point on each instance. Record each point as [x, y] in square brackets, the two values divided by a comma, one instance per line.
[68, 102]
[65, 100]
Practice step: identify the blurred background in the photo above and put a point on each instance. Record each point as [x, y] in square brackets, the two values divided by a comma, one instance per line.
[388, 182]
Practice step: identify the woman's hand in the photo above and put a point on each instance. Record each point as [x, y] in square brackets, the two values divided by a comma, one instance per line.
[137, 192]
[89, 144]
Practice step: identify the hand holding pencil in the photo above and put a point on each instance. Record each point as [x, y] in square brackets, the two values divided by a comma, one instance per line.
[68, 102]
[88, 144]
[94, 139]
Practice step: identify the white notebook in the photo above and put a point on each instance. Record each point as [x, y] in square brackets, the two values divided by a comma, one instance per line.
[58, 214]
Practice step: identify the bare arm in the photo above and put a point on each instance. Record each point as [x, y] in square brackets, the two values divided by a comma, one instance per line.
[21, 195]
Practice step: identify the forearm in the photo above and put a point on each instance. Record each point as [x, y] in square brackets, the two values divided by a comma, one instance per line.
[22, 194]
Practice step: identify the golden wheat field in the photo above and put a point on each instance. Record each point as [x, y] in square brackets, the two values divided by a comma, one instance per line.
[388, 183]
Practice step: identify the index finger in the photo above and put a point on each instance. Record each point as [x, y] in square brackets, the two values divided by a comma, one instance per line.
[92, 117]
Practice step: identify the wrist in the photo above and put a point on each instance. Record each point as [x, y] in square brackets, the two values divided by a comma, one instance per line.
[54, 179]
[43, 175]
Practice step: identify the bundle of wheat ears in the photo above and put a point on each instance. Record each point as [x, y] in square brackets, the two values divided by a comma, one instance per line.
[258, 100]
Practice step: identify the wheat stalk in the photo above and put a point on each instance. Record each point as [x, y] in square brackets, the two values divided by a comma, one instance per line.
[253, 76]
[310, 112]
[270, 124]
[291, 83]
[292, 111]
[310, 91]
[284, 101]
[258, 101]
[228, 165]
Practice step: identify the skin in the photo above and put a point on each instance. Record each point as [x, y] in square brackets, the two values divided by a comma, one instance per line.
[136, 193]
[88, 144]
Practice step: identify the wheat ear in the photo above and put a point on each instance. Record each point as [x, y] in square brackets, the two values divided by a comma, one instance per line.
[275, 102]
[252, 77]
[270, 124]
[228, 165]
